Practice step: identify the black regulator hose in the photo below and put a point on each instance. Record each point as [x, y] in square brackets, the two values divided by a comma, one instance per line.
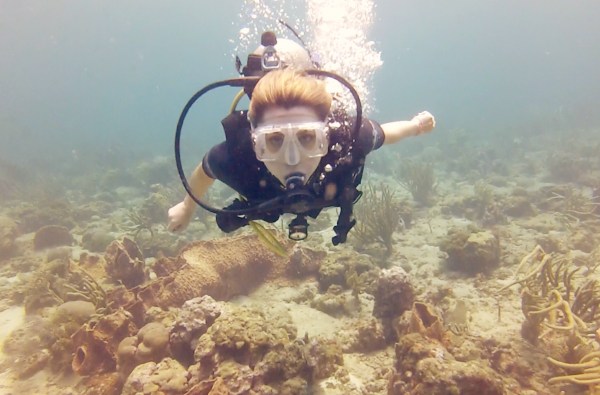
[278, 202]
[242, 81]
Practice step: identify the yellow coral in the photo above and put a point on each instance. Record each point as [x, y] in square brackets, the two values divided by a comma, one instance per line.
[590, 375]
[559, 305]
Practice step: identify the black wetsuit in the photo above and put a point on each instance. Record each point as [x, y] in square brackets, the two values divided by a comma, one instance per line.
[234, 163]
[238, 167]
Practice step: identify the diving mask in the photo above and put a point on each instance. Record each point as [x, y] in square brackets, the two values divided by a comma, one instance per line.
[287, 143]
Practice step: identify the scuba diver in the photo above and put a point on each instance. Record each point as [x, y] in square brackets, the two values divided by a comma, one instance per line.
[289, 152]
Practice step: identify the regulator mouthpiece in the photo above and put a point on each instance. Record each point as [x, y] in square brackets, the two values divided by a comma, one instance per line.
[294, 181]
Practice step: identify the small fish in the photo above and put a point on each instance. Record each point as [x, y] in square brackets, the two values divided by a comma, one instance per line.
[268, 239]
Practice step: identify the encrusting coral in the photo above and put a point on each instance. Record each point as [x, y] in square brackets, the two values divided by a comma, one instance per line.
[194, 318]
[393, 296]
[424, 366]
[219, 268]
[482, 206]
[471, 251]
[167, 377]
[348, 270]
[247, 351]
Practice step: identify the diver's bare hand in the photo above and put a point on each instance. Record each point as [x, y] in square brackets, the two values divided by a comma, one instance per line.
[180, 216]
[425, 122]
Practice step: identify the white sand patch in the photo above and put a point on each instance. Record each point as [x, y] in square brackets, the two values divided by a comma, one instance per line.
[314, 322]
[275, 299]
[10, 319]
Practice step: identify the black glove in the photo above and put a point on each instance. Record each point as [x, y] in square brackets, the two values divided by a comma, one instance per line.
[229, 222]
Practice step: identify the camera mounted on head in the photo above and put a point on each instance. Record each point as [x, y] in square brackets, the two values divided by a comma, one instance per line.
[258, 65]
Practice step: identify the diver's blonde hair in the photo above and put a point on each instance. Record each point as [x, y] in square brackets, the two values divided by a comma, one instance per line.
[288, 88]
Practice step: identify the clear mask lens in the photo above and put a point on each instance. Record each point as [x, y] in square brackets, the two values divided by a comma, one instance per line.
[289, 142]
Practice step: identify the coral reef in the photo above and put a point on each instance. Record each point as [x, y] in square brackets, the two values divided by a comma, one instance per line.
[50, 212]
[139, 223]
[304, 262]
[66, 320]
[219, 268]
[435, 358]
[419, 179]
[379, 214]
[471, 251]
[483, 206]
[333, 271]
[155, 170]
[76, 310]
[27, 348]
[246, 331]
[424, 366]
[394, 295]
[247, 351]
[143, 223]
[149, 345]
[166, 377]
[336, 302]
[97, 238]
[97, 341]
[558, 319]
[547, 288]
[434, 331]
[157, 203]
[61, 281]
[570, 205]
[8, 234]
[342, 278]
[163, 243]
[368, 336]
[100, 384]
[518, 204]
[125, 263]
[51, 236]
[586, 301]
[423, 319]
[195, 317]
[589, 375]
[46, 341]
[348, 270]
[565, 167]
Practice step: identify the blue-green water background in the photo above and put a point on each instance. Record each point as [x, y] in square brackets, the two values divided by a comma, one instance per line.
[105, 81]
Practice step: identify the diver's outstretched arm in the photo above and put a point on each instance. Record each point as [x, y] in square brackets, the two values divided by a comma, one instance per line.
[421, 123]
[181, 214]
